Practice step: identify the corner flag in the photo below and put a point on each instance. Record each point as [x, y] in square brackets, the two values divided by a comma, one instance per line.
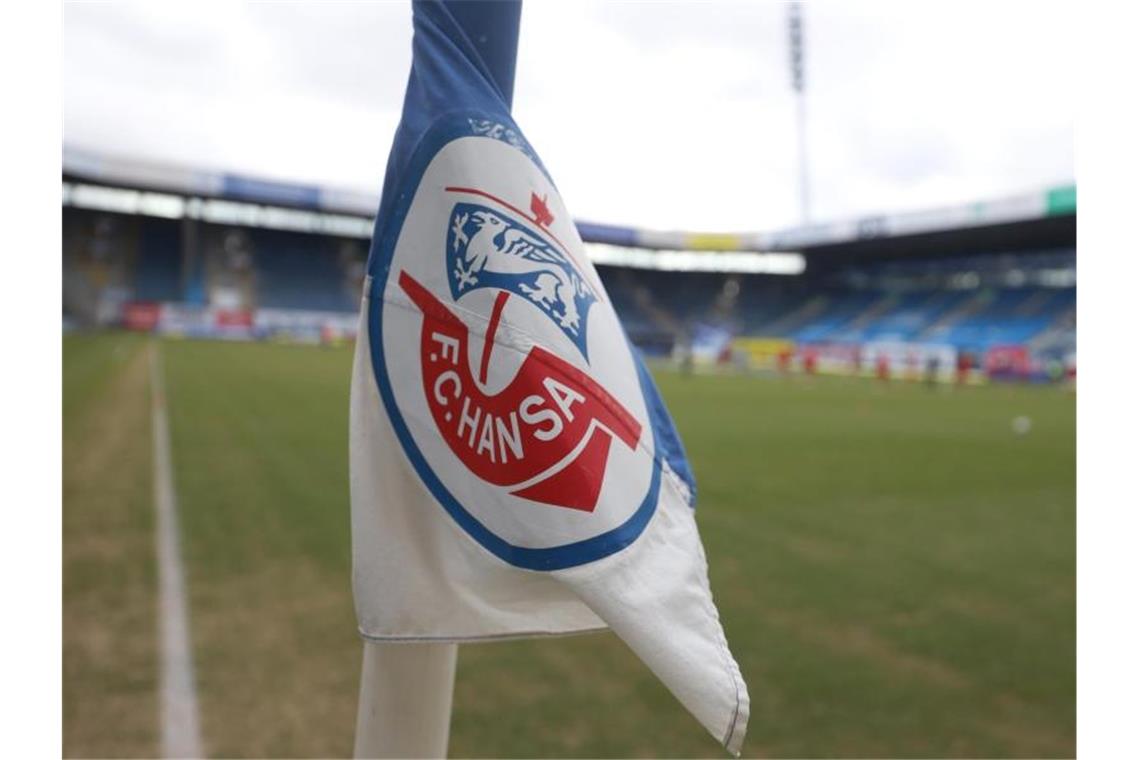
[514, 471]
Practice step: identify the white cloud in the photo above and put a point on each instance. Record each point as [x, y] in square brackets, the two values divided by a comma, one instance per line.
[674, 115]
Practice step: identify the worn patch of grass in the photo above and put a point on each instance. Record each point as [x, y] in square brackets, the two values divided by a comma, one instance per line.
[109, 672]
[260, 438]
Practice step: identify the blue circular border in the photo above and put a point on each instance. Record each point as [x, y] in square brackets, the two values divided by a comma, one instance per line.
[440, 134]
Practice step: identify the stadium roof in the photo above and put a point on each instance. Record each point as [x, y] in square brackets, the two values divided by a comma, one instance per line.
[1059, 203]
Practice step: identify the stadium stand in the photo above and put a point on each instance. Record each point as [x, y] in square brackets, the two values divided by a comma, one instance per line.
[964, 302]
[262, 259]
[971, 319]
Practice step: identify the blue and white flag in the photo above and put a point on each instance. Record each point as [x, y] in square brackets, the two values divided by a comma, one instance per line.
[514, 471]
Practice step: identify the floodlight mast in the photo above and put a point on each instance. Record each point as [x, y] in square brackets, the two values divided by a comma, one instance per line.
[796, 59]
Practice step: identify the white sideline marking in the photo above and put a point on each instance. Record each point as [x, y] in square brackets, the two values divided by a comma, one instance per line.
[181, 734]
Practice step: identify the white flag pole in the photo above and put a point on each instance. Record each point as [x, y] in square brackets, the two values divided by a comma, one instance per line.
[405, 700]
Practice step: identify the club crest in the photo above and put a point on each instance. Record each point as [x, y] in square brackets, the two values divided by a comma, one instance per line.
[505, 372]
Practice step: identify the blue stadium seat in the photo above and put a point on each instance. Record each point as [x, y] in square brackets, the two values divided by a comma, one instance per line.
[299, 272]
[158, 266]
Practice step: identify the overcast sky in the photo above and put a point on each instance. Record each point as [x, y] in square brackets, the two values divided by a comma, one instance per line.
[675, 115]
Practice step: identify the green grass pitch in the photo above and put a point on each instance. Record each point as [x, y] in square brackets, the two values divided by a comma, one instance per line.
[895, 568]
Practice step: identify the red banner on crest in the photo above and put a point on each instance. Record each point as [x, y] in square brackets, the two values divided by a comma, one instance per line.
[547, 433]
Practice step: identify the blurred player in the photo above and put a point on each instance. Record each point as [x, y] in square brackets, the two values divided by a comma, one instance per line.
[883, 368]
[933, 365]
[965, 363]
[810, 360]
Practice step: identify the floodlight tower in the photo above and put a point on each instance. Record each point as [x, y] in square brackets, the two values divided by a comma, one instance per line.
[796, 49]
